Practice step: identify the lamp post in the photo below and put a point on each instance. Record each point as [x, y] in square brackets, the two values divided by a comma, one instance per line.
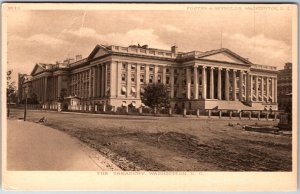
[25, 107]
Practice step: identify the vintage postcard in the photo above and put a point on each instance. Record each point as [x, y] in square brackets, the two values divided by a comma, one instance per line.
[149, 97]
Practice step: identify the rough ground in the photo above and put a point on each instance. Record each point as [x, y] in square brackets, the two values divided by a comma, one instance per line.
[183, 144]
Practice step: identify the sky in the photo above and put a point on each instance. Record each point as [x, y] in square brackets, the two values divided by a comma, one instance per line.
[264, 36]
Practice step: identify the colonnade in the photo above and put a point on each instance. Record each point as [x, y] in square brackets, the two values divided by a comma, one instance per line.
[91, 83]
[40, 88]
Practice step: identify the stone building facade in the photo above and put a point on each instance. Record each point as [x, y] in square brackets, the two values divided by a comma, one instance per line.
[285, 86]
[115, 75]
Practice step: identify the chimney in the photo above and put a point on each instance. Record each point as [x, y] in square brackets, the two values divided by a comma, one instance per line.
[174, 49]
[78, 57]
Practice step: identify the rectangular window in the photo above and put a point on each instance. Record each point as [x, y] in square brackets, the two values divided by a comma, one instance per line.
[151, 79]
[167, 80]
[151, 69]
[159, 78]
[132, 77]
[159, 68]
[142, 67]
[175, 80]
[133, 67]
[167, 70]
[142, 78]
[123, 77]
[123, 66]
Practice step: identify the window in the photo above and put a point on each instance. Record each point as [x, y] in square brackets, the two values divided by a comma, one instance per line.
[123, 90]
[142, 78]
[151, 69]
[175, 80]
[142, 67]
[151, 79]
[167, 70]
[123, 66]
[132, 77]
[123, 77]
[133, 67]
[159, 79]
[159, 69]
[167, 80]
[175, 71]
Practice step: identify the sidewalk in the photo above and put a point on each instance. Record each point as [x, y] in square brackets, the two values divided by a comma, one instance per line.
[32, 146]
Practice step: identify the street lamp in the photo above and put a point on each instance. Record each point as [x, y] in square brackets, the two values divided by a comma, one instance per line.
[25, 107]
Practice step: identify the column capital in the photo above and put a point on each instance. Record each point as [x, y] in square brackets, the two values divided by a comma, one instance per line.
[234, 70]
[204, 66]
[196, 66]
[227, 69]
[211, 67]
[220, 68]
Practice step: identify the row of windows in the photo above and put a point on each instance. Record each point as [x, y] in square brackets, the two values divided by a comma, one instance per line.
[142, 68]
[142, 78]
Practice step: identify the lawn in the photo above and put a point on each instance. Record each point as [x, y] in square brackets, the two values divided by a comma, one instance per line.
[174, 143]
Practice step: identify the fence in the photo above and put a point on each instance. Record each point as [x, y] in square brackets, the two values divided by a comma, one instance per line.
[146, 111]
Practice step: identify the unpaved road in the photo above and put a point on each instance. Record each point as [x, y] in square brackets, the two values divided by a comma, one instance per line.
[183, 144]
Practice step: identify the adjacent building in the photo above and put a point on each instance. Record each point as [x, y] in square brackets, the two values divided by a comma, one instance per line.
[285, 87]
[115, 75]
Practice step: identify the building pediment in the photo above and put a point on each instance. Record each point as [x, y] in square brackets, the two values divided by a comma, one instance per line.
[98, 51]
[224, 55]
[37, 69]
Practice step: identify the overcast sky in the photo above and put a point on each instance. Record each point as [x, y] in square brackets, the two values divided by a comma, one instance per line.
[263, 36]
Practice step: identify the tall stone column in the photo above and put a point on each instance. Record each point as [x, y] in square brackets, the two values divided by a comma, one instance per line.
[234, 85]
[147, 73]
[172, 82]
[212, 92]
[219, 83]
[90, 82]
[155, 73]
[251, 88]
[99, 81]
[94, 82]
[102, 80]
[262, 89]
[256, 88]
[46, 89]
[138, 81]
[268, 89]
[164, 75]
[58, 85]
[128, 80]
[188, 83]
[204, 82]
[196, 85]
[119, 77]
[275, 90]
[113, 79]
[241, 75]
[105, 79]
[179, 77]
[226, 84]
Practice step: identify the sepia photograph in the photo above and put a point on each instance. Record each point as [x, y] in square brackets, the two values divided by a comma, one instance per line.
[180, 95]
